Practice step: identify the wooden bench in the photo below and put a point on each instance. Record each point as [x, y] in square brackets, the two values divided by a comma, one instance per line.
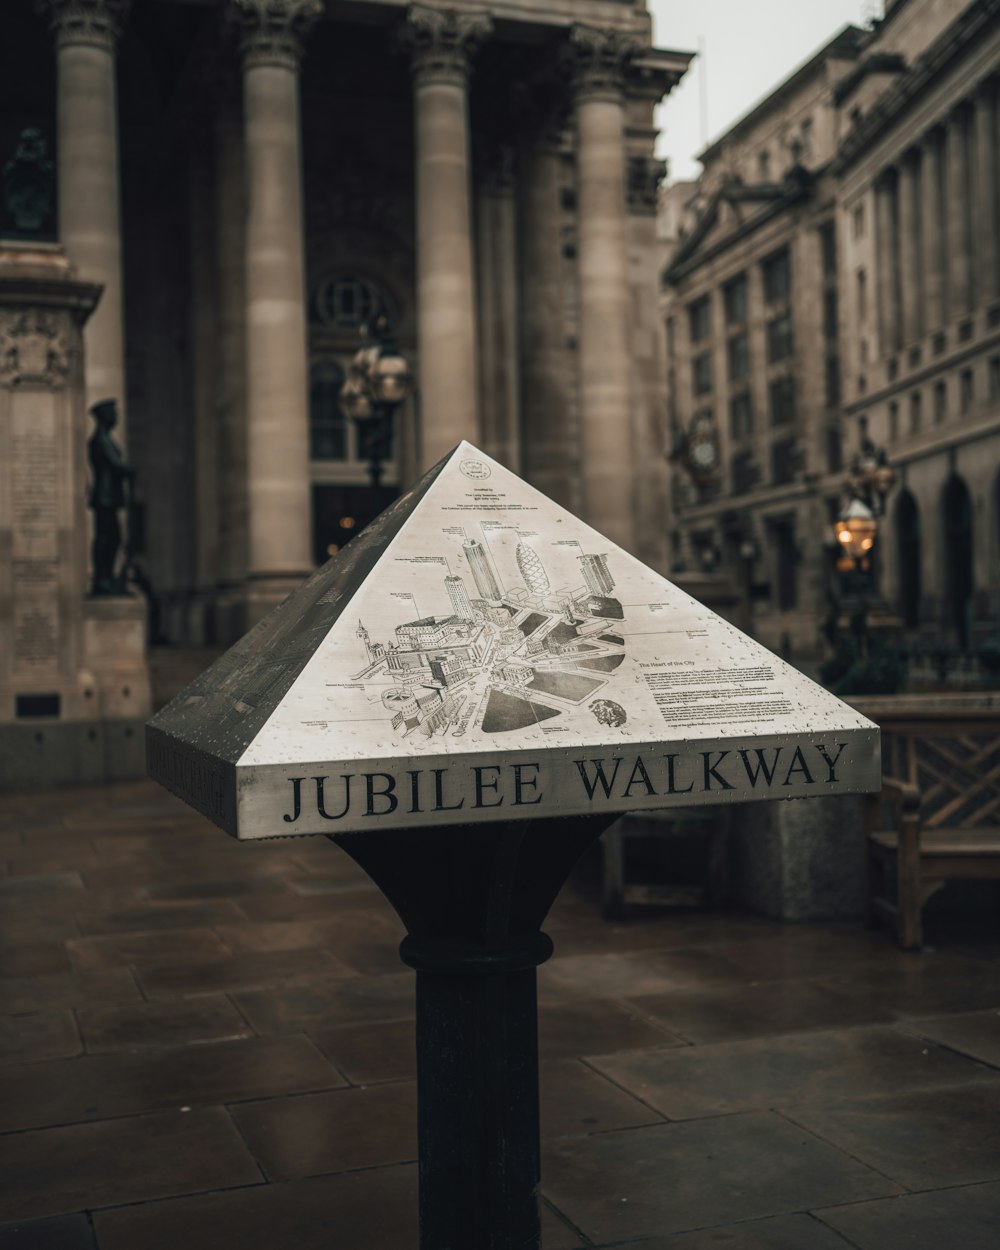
[937, 818]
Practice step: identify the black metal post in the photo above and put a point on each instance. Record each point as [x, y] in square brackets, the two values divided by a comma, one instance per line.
[473, 899]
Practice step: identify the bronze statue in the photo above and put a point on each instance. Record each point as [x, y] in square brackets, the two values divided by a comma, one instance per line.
[109, 492]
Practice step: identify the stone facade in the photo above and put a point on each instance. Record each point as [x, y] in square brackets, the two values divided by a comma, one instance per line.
[249, 181]
[836, 279]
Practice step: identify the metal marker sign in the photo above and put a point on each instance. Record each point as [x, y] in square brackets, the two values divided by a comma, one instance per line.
[480, 654]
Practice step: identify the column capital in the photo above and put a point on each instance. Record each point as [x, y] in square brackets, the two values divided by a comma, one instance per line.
[643, 177]
[271, 32]
[599, 60]
[442, 42]
[96, 22]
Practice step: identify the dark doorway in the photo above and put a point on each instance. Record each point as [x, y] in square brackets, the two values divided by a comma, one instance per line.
[956, 507]
[908, 557]
[340, 512]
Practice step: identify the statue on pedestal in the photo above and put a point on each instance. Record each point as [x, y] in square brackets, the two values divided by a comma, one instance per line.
[110, 488]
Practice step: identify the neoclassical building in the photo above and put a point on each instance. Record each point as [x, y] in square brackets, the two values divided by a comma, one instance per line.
[837, 278]
[250, 179]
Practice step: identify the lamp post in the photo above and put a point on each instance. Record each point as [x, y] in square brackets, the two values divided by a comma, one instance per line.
[380, 379]
[870, 478]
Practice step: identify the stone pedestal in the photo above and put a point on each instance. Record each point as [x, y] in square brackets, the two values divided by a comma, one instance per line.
[73, 670]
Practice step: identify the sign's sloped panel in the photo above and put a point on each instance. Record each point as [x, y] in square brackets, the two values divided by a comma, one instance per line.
[505, 656]
[193, 744]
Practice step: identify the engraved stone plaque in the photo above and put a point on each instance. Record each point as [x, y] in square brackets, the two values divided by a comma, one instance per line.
[480, 654]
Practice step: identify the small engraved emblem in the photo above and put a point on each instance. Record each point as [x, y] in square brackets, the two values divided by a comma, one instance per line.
[476, 469]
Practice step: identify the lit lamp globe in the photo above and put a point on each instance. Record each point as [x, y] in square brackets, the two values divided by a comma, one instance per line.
[356, 399]
[390, 379]
[856, 530]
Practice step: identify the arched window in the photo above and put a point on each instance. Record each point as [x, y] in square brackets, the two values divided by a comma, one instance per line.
[346, 301]
[327, 424]
[956, 509]
[908, 558]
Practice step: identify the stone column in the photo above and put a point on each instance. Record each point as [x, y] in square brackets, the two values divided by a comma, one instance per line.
[498, 352]
[277, 387]
[987, 208]
[600, 59]
[230, 381]
[885, 245]
[957, 209]
[648, 428]
[86, 36]
[931, 241]
[442, 43]
[909, 249]
[548, 443]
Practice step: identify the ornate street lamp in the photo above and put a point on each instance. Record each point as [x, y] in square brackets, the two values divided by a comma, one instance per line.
[869, 480]
[380, 380]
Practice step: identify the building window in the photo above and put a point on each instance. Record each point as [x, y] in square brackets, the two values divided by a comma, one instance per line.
[744, 473]
[784, 461]
[670, 337]
[834, 449]
[738, 356]
[764, 165]
[858, 221]
[346, 301]
[777, 277]
[327, 426]
[782, 397]
[994, 379]
[701, 372]
[779, 338]
[828, 246]
[830, 314]
[893, 421]
[861, 285]
[940, 402]
[700, 319]
[740, 417]
[966, 390]
[734, 295]
[916, 407]
[832, 380]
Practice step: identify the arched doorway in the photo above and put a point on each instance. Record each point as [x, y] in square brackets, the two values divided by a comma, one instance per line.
[907, 525]
[956, 509]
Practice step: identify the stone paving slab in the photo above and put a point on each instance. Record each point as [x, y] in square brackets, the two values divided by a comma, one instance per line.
[672, 1177]
[966, 1218]
[814, 1074]
[785, 1071]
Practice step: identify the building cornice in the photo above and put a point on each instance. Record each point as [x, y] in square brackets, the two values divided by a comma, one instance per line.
[98, 23]
[941, 55]
[689, 258]
[271, 32]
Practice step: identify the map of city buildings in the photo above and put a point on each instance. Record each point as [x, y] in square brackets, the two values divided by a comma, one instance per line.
[514, 650]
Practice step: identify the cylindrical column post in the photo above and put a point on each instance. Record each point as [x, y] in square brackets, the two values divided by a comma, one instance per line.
[909, 250]
[477, 1099]
[87, 33]
[600, 60]
[230, 388]
[931, 232]
[498, 351]
[886, 252]
[957, 214]
[987, 209]
[550, 454]
[442, 43]
[277, 389]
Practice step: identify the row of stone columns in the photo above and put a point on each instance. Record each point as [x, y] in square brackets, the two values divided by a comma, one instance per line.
[937, 224]
[271, 285]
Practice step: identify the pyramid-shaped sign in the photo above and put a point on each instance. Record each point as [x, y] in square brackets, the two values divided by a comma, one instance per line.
[480, 654]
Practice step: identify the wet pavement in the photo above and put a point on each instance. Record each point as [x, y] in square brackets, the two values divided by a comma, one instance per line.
[209, 1046]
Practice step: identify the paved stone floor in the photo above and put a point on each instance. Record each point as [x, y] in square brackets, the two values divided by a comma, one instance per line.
[209, 1046]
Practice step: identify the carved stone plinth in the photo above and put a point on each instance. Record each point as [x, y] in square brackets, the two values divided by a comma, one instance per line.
[59, 667]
